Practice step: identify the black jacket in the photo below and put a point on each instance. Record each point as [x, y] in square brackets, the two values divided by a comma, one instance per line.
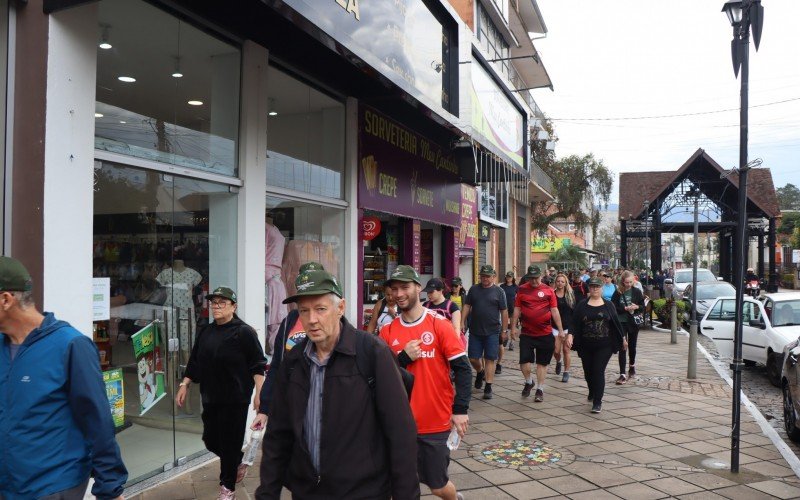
[277, 358]
[369, 438]
[578, 325]
[637, 297]
[223, 361]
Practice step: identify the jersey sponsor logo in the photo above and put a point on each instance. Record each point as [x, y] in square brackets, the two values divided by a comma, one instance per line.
[428, 354]
[427, 338]
[27, 378]
[540, 294]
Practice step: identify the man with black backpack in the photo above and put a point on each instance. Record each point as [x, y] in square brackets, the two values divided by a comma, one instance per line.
[339, 426]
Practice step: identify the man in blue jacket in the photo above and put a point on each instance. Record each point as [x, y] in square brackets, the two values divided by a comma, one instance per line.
[55, 423]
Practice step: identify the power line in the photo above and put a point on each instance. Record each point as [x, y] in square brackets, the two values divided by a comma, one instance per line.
[676, 115]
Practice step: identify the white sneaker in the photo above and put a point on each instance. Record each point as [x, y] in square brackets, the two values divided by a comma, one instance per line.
[226, 494]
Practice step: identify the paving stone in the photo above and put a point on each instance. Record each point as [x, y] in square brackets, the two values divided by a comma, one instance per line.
[529, 490]
[617, 446]
[642, 456]
[701, 495]
[567, 484]
[740, 492]
[493, 493]
[473, 465]
[593, 495]
[503, 476]
[642, 473]
[777, 488]
[637, 491]
[769, 468]
[673, 451]
[673, 486]
[707, 481]
[469, 480]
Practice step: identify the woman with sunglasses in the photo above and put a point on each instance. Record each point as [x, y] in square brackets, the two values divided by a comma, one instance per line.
[608, 285]
[228, 362]
[629, 301]
[597, 334]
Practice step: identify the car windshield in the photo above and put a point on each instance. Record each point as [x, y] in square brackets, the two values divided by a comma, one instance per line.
[714, 290]
[685, 276]
[786, 313]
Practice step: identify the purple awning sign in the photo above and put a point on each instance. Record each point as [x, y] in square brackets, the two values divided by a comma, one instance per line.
[404, 173]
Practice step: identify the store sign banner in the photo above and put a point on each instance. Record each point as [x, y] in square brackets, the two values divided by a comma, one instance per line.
[426, 251]
[149, 367]
[548, 244]
[401, 39]
[484, 231]
[468, 230]
[370, 228]
[412, 245]
[101, 299]
[115, 393]
[403, 173]
[494, 117]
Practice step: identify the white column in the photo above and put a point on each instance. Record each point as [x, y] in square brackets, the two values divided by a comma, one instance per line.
[351, 241]
[252, 196]
[69, 165]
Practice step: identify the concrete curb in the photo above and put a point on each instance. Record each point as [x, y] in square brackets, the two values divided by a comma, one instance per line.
[766, 428]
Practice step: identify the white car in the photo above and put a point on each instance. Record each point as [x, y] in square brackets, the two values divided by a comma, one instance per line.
[683, 277]
[769, 324]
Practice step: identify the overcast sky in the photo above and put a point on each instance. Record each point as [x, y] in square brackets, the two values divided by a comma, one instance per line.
[634, 58]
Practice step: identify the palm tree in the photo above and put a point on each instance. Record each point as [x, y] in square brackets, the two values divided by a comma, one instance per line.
[571, 253]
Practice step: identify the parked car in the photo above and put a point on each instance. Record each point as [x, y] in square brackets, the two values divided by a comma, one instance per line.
[707, 293]
[683, 277]
[791, 389]
[769, 323]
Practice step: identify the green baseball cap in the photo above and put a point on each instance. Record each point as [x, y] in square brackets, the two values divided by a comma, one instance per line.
[405, 273]
[315, 283]
[595, 282]
[510, 274]
[13, 276]
[224, 292]
[487, 270]
[533, 272]
[456, 281]
[311, 266]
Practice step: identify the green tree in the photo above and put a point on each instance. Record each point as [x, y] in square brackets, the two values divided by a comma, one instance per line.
[788, 197]
[569, 253]
[795, 241]
[606, 242]
[581, 185]
[789, 221]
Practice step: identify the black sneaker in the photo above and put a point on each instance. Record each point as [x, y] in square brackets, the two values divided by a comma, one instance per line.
[498, 369]
[558, 367]
[487, 393]
[479, 380]
[597, 407]
[526, 391]
[631, 372]
[565, 377]
[539, 396]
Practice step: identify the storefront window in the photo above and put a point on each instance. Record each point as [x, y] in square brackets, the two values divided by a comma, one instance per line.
[305, 137]
[166, 91]
[160, 243]
[298, 232]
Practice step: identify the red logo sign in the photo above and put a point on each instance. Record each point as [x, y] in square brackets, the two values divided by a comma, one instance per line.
[371, 227]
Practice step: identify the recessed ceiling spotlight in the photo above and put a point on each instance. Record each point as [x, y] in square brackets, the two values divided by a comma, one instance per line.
[177, 74]
[126, 79]
[271, 103]
[195, 103]
[273, 113]
[104, 39]
[98, 115]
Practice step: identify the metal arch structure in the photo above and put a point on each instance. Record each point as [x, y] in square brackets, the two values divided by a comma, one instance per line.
[654, 203]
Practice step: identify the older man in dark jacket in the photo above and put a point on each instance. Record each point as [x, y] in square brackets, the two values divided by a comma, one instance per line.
[334, 431]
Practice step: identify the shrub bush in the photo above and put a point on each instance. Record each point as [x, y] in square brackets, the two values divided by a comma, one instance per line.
[661, 308]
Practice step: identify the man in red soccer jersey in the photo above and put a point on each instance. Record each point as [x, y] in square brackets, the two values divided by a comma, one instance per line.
[426, 344]
[536, 305]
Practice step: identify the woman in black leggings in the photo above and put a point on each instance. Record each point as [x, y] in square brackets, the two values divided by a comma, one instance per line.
[597, 334]
[629, 301]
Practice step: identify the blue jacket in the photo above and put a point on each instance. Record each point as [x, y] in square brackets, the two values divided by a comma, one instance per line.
[55, 422]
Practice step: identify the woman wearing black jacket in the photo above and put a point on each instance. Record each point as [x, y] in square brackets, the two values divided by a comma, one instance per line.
[228, 362]
[628, 300]
[597, 334]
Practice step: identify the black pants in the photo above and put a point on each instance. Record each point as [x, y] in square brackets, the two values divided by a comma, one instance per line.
[223, 434]
[595, 359]
[633, 336]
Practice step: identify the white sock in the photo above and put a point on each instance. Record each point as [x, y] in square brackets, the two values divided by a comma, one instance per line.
[529, 380]
[541, 387]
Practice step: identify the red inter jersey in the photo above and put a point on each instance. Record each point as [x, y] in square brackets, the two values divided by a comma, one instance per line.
[534, 306]
[432, 397]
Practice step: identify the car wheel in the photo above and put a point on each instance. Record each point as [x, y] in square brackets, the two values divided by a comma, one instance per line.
[789, 416]
[774, 368]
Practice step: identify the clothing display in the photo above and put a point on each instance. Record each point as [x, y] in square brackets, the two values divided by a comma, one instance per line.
[275, 287]
[180, 282]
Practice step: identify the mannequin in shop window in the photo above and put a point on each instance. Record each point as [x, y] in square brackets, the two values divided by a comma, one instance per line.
[180, 281]
[275, 289]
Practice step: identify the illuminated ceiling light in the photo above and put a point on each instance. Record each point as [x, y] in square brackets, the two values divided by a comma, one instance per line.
[273, 113]
[271, 104]
[126, 79]
[98, 115]
[177, 73]
[104, 39]
[195, 103]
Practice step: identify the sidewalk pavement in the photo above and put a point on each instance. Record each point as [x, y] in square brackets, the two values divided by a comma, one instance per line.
[658, 436]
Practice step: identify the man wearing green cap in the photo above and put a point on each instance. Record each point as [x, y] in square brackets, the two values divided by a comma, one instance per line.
[332, 433]
[55, 425]
[290, 333]
[485, 307]
[426, 344]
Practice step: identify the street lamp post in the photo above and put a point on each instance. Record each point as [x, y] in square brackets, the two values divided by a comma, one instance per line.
[647, 252]
[742, 14]
[691, 369]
